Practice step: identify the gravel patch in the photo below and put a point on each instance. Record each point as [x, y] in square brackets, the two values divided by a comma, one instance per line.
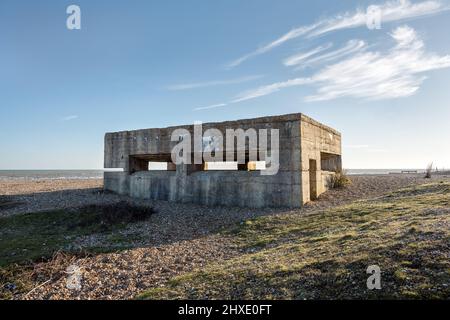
[125, 274]
[43, 195]
[370, 186]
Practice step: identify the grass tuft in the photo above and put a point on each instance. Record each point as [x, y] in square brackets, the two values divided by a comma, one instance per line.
[429, 171]
[340, 179]
[106, 217]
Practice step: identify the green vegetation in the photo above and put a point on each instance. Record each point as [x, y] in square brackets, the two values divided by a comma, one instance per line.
[29, 237]
[325, 255]
[48, 236]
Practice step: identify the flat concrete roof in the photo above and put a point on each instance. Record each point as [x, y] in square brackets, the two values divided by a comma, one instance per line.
[266, 119]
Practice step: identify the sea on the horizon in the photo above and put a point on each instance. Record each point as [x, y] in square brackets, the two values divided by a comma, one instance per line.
[50, 174]
[98, 174]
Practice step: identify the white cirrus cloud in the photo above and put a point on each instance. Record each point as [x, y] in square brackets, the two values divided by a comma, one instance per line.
[393, 10]
[213, 106]
[68, 118]
[295, 33]
[399, 72]
[374, 75]
[271, 88]
[351, 47]
[196, 85]
[302, 56]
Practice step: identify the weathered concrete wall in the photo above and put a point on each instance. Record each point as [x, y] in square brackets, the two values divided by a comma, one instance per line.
[231, 188]
[317, 138]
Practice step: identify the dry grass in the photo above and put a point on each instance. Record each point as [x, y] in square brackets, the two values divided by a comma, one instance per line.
[28, 239]
[325, 255]
[339, 180]
[429, 171]
[24, 279]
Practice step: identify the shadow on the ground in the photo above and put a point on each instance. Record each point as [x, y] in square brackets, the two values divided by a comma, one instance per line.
[92, 221]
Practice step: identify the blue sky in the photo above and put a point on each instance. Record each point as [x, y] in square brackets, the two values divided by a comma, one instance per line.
[141, 64]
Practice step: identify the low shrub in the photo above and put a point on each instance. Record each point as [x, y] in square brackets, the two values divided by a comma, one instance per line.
[108, 215]
[428, 171]
[340, 179]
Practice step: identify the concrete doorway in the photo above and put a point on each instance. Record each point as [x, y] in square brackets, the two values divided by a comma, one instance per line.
[312, 179]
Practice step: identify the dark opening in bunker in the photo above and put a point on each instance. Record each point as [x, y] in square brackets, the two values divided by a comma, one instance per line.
[151, 162]
[330, 162]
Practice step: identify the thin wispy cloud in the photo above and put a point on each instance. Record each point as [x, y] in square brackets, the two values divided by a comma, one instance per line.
[302, 56]
[390, 11]
[271, 88]
[352, 46]
[395, 10]
[295, 33]
[196, 85]
[398, 72]
[261, 91]
[211, 106]
[374, 75]
[68, 118]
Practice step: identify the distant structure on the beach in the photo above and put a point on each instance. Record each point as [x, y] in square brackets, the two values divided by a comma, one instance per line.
[309, 154]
